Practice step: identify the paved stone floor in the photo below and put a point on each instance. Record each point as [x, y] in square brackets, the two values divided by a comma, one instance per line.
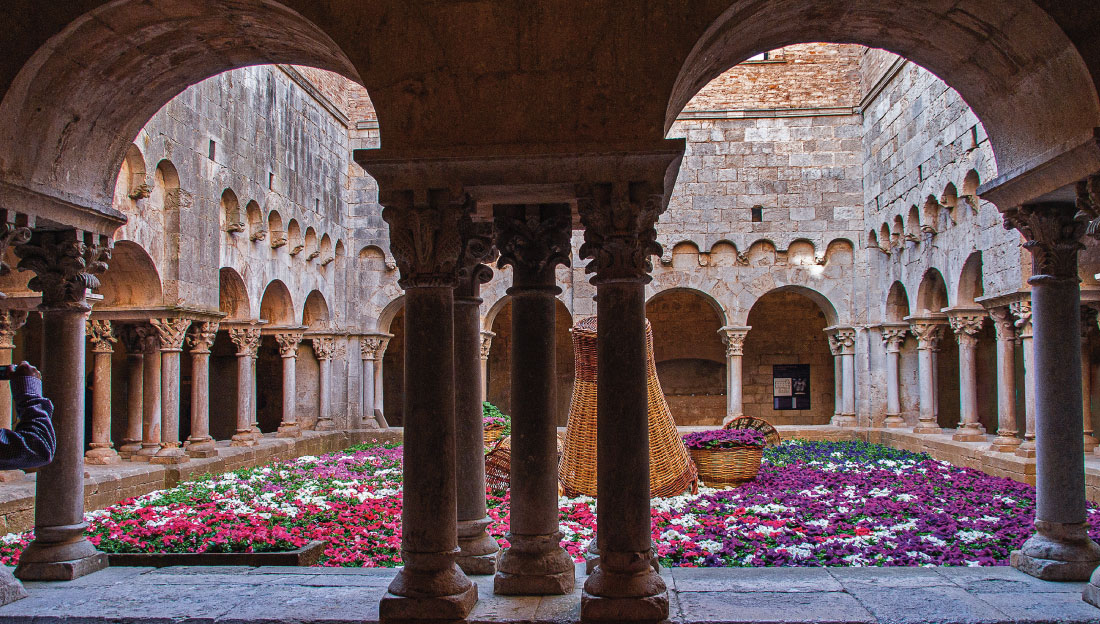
[336, 595]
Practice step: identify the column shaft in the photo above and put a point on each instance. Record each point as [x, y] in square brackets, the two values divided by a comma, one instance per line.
[893, 392]
[151, 404]
[1090, 442]
[101, 451]
[135, 367]
[288, 350]
[734, 338]
[1006, 439]
[200, 340]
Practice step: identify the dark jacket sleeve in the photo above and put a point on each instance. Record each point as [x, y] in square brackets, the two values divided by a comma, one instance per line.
[32, 442]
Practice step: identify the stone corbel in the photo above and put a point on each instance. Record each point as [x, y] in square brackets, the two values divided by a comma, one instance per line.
[327, 260]
[297, 249]
[313, 254]
[233, 228]
[258, 236]
[928, 230]
[140, 191]
[278, 239]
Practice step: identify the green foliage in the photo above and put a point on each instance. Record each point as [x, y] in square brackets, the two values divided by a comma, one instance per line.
[491, 416]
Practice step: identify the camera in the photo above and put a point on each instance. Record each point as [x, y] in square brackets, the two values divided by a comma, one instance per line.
[7, 372]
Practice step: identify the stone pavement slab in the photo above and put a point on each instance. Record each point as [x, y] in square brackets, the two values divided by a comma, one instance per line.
[278, 595]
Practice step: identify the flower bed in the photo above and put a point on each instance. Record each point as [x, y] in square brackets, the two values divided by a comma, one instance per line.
[813, 504]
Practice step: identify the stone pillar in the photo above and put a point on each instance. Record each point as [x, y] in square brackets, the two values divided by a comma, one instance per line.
[486, 344]
[1088, 318]
[133, 338]
[929, 332]
[1005, 325]
[247, 340]
[1060, 549]
[65, 264]
[842, 343]
[477, 549]
[201, 338]
[288, 350]
[10, 322]
[151, 398]
[619, 238]
[966, 323]
[324, 347]
[426, 243]
[533, 240]
[1022, 311]
[838, 380]
[101, 451]
[734, 339]
[379, 379]
[172, 333]
[893, 336]
[371, 348]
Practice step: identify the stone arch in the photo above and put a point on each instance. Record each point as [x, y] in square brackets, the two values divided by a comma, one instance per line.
[971, 181]
[256, 226]
[897, 232]
[724, 254]
[131, 184]
[884, 239]
[970, 281]
[840, 251]
[310, 241]
[276, 305]
[823, 302]
[801, 252]
[232, 219]
[897, 304]
[912, 224]
[131, 279]
[685, 255]
[932, 210]
[950, 196]
[233, 298]
[372, 258]
[1004, 69]
[118, 71]
[315, 313]
[932, 293]
[294, 237]
[872, 239]
[716, 306]
[389, 312]
[340, 251]
[325, 248]
[275, 229]
[761, 253]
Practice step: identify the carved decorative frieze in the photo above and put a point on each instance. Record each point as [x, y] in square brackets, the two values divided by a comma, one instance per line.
[171, 332]
[533, 238]
[64, 265]
[1053, 235]
[202, 335]
[324, 347]
[133, 338]
[288, 343]
[734, 339]
[619, 229]
[247, 340]
[101, 334]
[10, 322]
[424, 235]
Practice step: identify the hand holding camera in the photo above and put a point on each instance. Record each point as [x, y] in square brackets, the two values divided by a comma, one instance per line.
[23, 369]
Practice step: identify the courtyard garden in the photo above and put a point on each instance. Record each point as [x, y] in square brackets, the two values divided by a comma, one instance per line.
[812, 504]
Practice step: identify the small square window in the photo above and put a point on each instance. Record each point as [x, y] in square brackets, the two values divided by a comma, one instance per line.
[271, 181]
[757, 214]
[212, 151]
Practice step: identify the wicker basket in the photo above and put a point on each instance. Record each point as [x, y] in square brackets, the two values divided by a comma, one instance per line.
[498, 464]
[756, 424]
[671, 470]
[492, 434]
[724, 467]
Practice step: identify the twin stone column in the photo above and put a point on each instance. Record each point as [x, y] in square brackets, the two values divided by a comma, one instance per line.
[734, 339]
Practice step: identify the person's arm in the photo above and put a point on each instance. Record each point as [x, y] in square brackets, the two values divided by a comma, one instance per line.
[32, 442]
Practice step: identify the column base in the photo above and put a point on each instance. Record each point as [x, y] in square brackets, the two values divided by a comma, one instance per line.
[242, 438]
[927, 428]
[731, 417]
[477, 550]
[102, 456]
[843, 420]
[325, 425]
[10, 588]
[1027, 449]
[534, 565]
[1091, 593]
[1004, 443]
[1091, 443]
[1058, 552]
[201, 447]
[625, 597]
[170, 455]
[417, 596]
[145, 453]
[893, 421]
[592, 559]
[289, 430]
[969, 433]
[127, 449]
[60, 553]
[8, 476]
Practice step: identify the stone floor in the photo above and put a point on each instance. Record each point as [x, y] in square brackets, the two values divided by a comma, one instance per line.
[335, 595]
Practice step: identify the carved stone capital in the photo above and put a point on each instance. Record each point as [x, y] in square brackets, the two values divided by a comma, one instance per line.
[893, 338]
[202, 335]
[620, 232]
[101, 334]
[1022, 311]
[1053, 235]
[1004, 323]
[424, 235]
[65, 265]
[477, 251]
[373, 347]
[533, 239]
[133, 337]
[734, 339]
[324, 347]
[842, 340]
[1088, 204]
[966, 325]
[247, 340]
[10, 322]
[929, 333]
[11, 234]
[486, 343]
[288, 343]
[171, 332]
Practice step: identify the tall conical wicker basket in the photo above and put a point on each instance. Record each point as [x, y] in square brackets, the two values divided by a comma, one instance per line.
[671, 470]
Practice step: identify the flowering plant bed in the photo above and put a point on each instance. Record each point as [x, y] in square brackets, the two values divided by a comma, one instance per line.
[496, 423]
[725, 439]
[813, 504]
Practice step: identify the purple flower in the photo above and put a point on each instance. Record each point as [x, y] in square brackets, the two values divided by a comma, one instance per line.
[724, 439]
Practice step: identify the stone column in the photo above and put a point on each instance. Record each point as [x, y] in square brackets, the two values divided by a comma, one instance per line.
[838, 379]
[379, 379]
[324, 347]
[426, 243]
[371, 348]
[486, 344]
[102, 338]
[966, 324]
[10, 322]
[151, 398]
[288, 350]
[65, 264]
[172, 333]
[1022, 311]
[1005, 325]
[1088, 318]
[133, 338]
[201, 338]
[533, 240]
[366, 381]
[247, 340]
[734, 339]
[929, 332]
[619, 238]
[892, 339]
[477, 549]
[846, 339]
[1060, 549]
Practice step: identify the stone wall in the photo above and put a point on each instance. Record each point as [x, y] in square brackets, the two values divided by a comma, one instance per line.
[689, 356]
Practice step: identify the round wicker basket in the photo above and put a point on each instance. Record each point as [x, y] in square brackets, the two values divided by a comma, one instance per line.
[756, 424]
[492, 434]
[725, 467]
